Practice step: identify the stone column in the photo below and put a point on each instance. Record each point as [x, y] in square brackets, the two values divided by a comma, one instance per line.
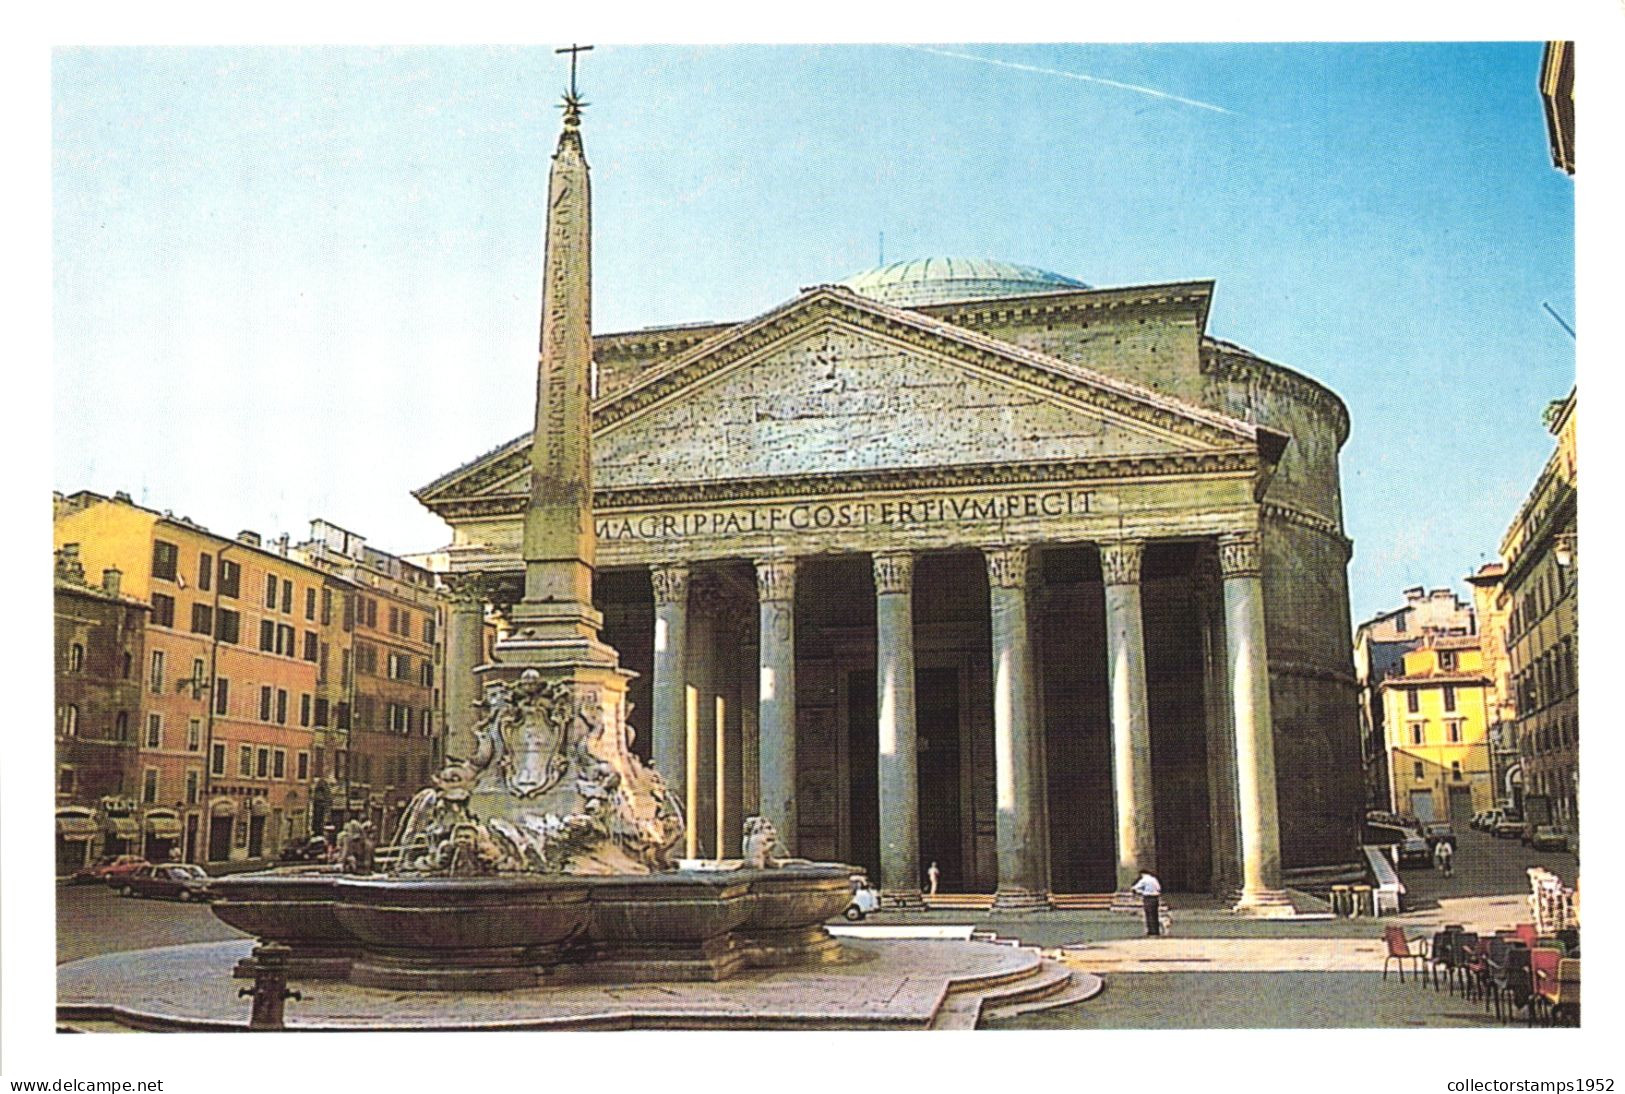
[899, 751]
[1130, 711]
[702, 754]
[669, 718]
[1017, 741]
[776, 695]
[1224, 837]
[465, 650]
[1248, 657]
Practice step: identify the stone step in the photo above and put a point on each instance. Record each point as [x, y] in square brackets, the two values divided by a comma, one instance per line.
[1076, 987]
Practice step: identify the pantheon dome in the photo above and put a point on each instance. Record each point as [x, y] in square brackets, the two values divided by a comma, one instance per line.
[922, 281]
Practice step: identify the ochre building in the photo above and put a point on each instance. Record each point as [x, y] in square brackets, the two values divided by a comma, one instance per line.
[969, 564]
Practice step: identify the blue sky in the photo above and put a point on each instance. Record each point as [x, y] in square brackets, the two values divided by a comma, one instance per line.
[301, 282]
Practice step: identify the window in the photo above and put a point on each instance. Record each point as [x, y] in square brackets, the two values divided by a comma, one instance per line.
[287, 596]
[217, 759]
[205, 571]
[349, 611]
[267, 635]
[245, 760]
[284, 640]
[194, 734]
[426, 674]
[1454, 730]
[321, 712]
[67, 720]
[304, 710]
[428, 629]
[231, 579]
[400, 666]
[372, 613]
[191, 787]
[262, 763]
[76, 657]
[394, 620]
[327, 607]
[127, 665]
[344, 668]
[270, 590]
[1455, 771]
[228, 625]
[265, 702]
[1450, 697]
[301, 766]
[341, 715]
[165, 556]
[1399, 622]
[310, 603]
[1413, 700]
[64, 780]
[428, 722]
[279, 764]
[1417, 770]
[321, 663]
[163, 610]
[1418, 735]
[341, 764]
[1447, 660]
[121, 726]
[155, 730]
[281, 707]
[155, 678]
[149, 786]
[202, 619]
[222, 695]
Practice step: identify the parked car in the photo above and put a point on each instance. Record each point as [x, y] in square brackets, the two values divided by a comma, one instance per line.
[1549, 837]
[313, 849]
[172, 881]
[1438, 833]
[1489, 820]
[864, 899]
[104, 868]
[1413, 850]
[1510, 826]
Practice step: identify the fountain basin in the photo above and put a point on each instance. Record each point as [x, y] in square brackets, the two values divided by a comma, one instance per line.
[509, 931]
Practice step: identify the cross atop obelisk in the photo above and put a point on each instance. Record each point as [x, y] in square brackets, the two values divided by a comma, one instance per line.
[556, 614]
[573, 50]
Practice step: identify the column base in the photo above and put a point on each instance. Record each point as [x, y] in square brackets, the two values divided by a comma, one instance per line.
[1128, 902]
[901, 900]
[1265, 904]
[1021, 900]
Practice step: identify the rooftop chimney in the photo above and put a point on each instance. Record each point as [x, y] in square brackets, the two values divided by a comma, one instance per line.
[110, 580]
[248, 537]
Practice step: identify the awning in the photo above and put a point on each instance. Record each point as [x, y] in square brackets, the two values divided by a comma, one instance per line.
[123, 827]
[76, 826]
[163, 826]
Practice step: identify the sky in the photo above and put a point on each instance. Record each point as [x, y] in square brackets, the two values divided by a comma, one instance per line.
[292, 283]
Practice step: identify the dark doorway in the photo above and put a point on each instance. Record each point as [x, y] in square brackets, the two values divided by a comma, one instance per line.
[863, 773]
[219, 838]
[256, 837]
[1461, 806]
[936, 698]
[191, 838]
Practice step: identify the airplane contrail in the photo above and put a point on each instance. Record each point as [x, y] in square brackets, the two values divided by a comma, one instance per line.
[1151, 91]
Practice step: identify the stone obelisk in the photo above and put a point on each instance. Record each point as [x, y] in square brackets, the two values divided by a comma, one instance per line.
[554, 627]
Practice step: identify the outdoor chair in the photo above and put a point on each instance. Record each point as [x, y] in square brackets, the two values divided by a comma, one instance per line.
[1543, 963]
[1403, 949]
[1570, 937]
[1525, 933]
[1511, 980]
[1439, 951]
[1463, 958]
[1565, 1001]
[1492, 968]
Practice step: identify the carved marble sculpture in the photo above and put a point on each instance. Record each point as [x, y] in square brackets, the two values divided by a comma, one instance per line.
[760, 838]
[553, 787]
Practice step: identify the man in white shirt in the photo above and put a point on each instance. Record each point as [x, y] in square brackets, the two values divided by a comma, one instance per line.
[1150, 890]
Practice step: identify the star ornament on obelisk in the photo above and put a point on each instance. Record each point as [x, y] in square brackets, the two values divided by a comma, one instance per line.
[555, 623]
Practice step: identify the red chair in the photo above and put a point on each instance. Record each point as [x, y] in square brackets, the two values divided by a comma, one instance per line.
[1403, 949]
[1543, 965]
[1525, 933]
[1564, 1000]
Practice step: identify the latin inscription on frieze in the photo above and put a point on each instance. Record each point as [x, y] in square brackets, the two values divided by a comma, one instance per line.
[818, 516]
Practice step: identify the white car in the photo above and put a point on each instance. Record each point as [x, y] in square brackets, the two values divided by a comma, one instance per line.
[865, 899]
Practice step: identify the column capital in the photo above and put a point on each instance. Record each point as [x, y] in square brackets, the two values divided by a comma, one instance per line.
[1238, 555]
[775, 579]
[1120, 561]
[1007, 566]
[670, 581]
[894, 572]
[473, 588]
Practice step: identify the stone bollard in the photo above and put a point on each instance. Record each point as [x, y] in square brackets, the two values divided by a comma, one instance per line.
[270, 990]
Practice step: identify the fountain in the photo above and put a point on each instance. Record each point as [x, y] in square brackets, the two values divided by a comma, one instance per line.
[547, 855]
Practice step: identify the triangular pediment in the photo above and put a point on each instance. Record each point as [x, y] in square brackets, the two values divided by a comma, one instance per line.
[832, 383]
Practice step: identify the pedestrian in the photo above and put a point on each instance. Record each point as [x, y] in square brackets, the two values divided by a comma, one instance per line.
[1150, 891]
[1444, 857]
[933, 875]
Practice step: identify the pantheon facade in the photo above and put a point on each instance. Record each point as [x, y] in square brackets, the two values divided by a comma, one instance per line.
[966, 563]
